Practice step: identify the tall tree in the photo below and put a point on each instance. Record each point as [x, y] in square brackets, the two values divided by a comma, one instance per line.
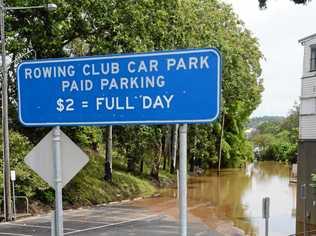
[113, 26]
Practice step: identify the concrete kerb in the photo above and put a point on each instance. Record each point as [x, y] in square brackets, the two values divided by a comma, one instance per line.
[88, 207]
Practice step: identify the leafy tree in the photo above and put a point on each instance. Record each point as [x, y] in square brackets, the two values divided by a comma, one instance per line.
[27, 182]
[131, 142]
[277, 140]
[85, 27]
[256, 121]
[291, 123]
[241, 68]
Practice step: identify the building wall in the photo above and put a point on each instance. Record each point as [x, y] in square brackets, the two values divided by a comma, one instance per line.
[307, 128]
[308, 86]
[307, 56]
[307, 165]
[307, 136]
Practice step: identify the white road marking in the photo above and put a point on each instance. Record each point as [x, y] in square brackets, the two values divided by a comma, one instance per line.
[201, 233]
[95, 222]
[2, 233]
[161, 232]
[108, 225]
[35, 226]
[133, 209]
[118, 217]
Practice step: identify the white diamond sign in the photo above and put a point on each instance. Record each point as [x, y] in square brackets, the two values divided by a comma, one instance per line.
[40, 159]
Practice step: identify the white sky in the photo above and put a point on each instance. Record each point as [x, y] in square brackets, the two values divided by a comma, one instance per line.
[278, 29]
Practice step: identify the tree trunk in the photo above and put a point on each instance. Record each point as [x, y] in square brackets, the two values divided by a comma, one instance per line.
[164, 162]
[130, 163]
[155, 167]
[141, 167]
[174, 146]
[108, 155]
[220, 145]
[166, 150]
[193, 154]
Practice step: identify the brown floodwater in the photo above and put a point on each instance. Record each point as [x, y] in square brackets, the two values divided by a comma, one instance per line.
[234, 200]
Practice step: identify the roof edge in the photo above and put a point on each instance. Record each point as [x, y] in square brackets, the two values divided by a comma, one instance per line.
[303, 40]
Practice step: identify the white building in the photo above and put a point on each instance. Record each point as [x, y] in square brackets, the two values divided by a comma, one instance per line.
[307, 136]
[308, 94]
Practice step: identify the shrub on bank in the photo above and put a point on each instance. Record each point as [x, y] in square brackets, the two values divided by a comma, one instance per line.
[87, 188]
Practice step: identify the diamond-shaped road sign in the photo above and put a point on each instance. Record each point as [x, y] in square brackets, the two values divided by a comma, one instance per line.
[40, 159]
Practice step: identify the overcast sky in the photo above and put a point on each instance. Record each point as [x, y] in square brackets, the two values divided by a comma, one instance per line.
[278, 29]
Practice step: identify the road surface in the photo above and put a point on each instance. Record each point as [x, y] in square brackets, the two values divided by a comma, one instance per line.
[107, 220]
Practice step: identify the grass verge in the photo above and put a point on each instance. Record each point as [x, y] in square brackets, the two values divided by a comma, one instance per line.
[89, 187]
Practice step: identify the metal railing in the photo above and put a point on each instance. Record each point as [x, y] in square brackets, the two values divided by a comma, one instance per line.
[27, 205]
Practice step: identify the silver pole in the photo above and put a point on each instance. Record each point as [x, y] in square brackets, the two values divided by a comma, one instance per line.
[303, 197]
[5, 126]
[14, 205]
[59, 231]
[25, 8]
[178, 192]
[53, 224]
[175, 145]
[183, 180]
[266, 213]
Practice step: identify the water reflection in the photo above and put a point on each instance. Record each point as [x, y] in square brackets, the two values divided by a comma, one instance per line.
[233, 201]
[237, 196]
[271, 180]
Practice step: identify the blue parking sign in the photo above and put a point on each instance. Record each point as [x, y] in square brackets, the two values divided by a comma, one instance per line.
[181, 86]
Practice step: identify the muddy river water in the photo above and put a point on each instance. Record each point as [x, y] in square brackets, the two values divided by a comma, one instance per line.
[233, 201]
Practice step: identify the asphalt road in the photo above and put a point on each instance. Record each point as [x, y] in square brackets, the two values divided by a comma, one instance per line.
[114, 220]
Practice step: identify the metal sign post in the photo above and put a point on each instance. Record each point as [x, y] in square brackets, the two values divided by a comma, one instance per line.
[56, 159]
[53, 224]
[59, 229]
[266, 213]
[13, 178]
[303, 197]
[183, 180]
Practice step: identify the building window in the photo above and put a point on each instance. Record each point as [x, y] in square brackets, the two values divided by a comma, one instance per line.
[313, 58]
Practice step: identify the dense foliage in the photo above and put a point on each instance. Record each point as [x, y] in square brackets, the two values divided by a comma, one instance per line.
[278, 139]
[27, 183]
[83, 27]
[256, 121]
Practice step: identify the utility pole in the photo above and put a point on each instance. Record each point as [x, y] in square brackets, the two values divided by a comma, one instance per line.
[5, 126]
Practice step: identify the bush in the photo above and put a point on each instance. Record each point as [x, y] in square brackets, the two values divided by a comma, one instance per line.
[27, 182]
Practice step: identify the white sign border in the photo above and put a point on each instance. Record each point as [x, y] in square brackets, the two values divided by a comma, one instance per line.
[97, 123]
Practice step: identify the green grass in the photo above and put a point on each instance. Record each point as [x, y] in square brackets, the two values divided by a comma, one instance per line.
[166, 179]
[89, 188]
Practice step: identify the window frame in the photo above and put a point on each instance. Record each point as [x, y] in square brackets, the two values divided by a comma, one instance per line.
[312, 61]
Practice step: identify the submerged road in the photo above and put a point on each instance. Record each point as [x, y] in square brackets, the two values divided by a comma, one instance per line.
[106, 220]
